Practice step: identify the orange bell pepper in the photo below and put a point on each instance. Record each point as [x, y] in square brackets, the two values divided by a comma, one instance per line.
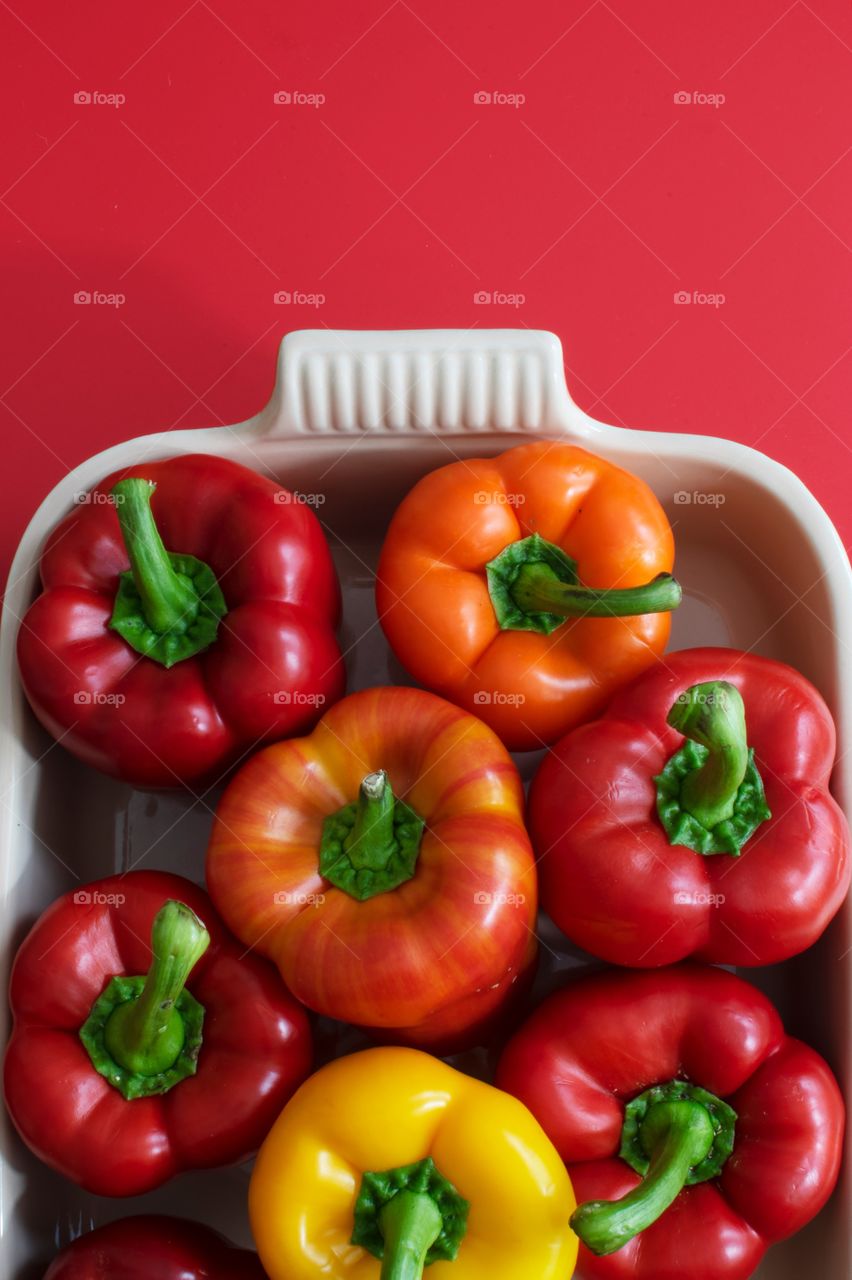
[383, 864]
[528, 587]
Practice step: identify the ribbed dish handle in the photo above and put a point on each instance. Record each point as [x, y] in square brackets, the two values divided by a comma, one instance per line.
[431, 380]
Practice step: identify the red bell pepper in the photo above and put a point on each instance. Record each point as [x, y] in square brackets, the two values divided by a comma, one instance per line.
[154, 1246]
[694, 817]
[696, 1132]
[120, 1081]
[162, 666]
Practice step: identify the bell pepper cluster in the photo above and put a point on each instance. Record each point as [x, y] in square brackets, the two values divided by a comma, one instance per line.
[372, 861]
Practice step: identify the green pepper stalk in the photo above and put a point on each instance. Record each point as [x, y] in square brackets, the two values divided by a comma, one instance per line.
[409, 1217]
[713, 714]
[371, 846]
[675, 1135]
[534, 586]
[410, 1223]
[168, 606]
[144, 1033]
[710, 794]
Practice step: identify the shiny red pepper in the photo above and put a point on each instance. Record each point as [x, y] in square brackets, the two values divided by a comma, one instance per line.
[145, 1041]
[188, 613]
[154, 1247]
[696, 1132]
[694, 818]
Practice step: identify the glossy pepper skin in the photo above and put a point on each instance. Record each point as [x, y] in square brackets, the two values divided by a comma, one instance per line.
[444, 933]
[386, 1110]
[610, 876]
[438, 610]
[255, 1042]
[154, 1246]
[271, 663]
[591, 1048]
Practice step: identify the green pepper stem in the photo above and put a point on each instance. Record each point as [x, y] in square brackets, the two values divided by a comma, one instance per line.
[169, 601]
[146, 1035]
[678, 1135]
[410, 1223]
[537, 589]
[370, 843]
[713, 715]
[371, 846]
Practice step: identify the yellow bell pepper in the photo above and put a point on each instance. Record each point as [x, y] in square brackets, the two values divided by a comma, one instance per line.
[389, 1160]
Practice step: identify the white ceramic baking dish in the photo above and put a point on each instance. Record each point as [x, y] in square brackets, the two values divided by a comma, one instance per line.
[354, 420]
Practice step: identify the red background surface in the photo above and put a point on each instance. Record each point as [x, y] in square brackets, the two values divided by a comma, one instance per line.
[399, 198]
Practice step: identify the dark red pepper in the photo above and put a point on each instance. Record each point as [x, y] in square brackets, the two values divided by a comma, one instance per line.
[694, 818]
[154, 1247]
[120, 1081]
[679, 1088]
[188, 614]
